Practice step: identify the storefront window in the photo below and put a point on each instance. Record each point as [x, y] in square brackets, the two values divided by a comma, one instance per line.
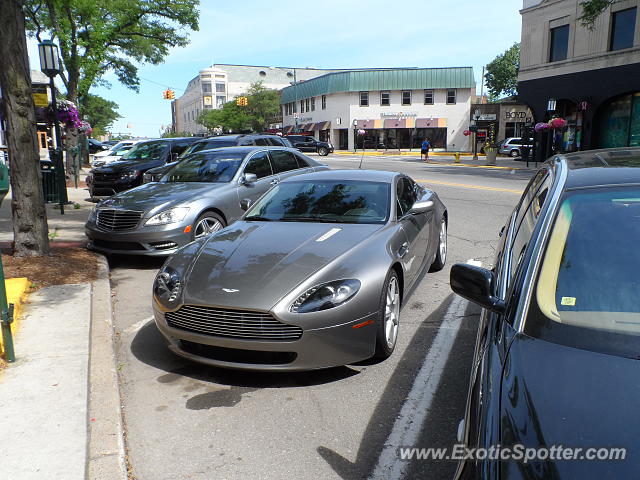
[620, 123]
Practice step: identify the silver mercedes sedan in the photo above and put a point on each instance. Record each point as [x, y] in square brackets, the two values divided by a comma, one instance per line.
[312, 276]
[198, 196]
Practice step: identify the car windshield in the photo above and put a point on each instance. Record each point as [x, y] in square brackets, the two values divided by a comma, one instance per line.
[586, 294]
[217, 167]
[208, 145]
[332, 201]
[147, 151]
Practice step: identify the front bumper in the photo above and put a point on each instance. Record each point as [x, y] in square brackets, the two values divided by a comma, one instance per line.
[153, 241]
[317, 348]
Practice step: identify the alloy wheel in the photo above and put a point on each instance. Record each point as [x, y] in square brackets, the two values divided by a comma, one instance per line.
[442, 244]
[207, 226]
[392, 313]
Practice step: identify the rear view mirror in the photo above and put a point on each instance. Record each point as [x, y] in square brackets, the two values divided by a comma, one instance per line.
[249, 178]
[245, 203]
[476, 284]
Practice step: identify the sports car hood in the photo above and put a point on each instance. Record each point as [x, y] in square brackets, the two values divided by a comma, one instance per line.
[557, 395]
[155, 197]
[260, 262]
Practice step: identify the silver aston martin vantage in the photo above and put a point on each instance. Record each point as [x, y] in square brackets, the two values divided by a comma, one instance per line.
[312, 276]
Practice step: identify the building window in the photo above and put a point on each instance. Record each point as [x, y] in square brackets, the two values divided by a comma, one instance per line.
[559, 43]
[206, 87]
[324, 102]
[295, 107]
[306, 105]
[313, 104]
[385, 99]
[623, 25]
[364, 99]
[428, 97]
[301, 106]
[406, 97]
[451, 97]
[220, 87]
[220, 101]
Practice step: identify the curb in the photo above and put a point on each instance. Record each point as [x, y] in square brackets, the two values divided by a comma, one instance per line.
[106, 446]
[17, 289]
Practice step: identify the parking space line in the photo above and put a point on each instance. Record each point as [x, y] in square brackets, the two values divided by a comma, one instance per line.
[408, 425]
[468, 185]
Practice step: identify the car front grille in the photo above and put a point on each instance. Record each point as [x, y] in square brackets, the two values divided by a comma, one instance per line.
[242, 324]
[112, 219]
[105, 177]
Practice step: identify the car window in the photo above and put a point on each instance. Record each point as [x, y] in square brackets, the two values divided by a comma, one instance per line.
[406, 194]
[147, 151]
[261, 141]
[586, 293]
[286, 142]
[324, 201]
[310, 139]
[246, 141]
[283, 161]
[275, 141]
[260, 165]
[217, 166]
[516, 140]
[302, 162]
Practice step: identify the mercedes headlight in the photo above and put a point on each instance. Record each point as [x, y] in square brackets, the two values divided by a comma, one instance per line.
[167, 285]
[93, 215]
[168, 216]
[325, 296]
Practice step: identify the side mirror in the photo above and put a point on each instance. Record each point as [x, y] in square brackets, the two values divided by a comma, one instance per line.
[249, 178]
[421, 207]
[245, 203]
[476, 284]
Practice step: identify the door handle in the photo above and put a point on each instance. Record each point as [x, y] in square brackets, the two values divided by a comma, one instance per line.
[404, 249]
[273, 182]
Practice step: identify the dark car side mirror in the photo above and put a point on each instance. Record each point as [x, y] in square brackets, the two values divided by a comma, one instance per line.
[245, 203]
[476, 284]
[249, 178]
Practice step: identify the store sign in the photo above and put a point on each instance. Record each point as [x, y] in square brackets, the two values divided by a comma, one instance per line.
[398, 115]
[306, 119]
[517, 116]
[487, 117]
[40, 99]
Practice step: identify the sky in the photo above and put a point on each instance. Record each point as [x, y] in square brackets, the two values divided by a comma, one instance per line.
[326, 34]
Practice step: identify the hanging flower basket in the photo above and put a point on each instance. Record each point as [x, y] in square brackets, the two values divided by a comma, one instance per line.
[557, 123]
[540, 127]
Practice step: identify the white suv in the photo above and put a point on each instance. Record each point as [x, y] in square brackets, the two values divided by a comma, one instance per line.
[114, 153]
[513, 146]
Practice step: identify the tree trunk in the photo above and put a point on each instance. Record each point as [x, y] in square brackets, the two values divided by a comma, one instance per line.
[30, 230]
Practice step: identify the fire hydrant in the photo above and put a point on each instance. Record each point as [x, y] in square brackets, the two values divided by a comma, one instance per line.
[456, 156]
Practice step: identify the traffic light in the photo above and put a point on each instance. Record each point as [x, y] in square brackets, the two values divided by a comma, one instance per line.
[242, 101]
[168, 94]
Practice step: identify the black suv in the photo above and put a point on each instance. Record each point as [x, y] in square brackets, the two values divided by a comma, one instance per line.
[306, 143]
[127, 172]
[219, 142]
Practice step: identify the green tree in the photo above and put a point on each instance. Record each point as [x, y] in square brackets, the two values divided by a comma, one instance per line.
[29, 217]
[263, 108]
[592, 9]
[99, 112]
[502, 73]
[100, 36]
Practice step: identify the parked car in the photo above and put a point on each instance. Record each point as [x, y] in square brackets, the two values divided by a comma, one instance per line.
[200, 195]
[311, 277]
[307, 143]
[113, 153]
[556, 360]
[127, 172]
[155, 174]
[513, 146]
[95, 146]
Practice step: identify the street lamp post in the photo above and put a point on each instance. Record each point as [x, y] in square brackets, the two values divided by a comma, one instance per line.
[50, 66]
[476, 116]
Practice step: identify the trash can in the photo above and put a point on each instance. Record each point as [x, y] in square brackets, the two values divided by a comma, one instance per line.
[4, 181]
[49, 182]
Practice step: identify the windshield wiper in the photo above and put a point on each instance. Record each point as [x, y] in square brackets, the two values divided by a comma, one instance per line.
[310, 219]
[257, 218]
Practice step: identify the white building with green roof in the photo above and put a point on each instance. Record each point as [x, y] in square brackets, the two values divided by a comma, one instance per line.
[395, 107]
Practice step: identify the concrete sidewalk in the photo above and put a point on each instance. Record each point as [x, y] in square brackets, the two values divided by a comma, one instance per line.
[60, 400]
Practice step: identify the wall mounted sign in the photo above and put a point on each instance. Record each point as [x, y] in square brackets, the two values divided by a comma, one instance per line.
[398, 115]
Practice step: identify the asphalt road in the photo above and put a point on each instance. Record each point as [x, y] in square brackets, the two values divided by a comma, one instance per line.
[187, 421]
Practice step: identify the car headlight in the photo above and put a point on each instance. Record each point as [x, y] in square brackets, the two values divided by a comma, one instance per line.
[325, 296]
[167, 285]
[93, 214]
[128, 175]
[168, 216]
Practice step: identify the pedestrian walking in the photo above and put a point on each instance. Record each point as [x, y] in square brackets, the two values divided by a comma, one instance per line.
[424, 150]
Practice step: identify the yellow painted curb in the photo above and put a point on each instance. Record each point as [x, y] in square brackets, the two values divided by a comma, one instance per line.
[17, 289]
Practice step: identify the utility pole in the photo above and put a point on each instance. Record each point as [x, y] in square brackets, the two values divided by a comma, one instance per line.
[482, 87]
